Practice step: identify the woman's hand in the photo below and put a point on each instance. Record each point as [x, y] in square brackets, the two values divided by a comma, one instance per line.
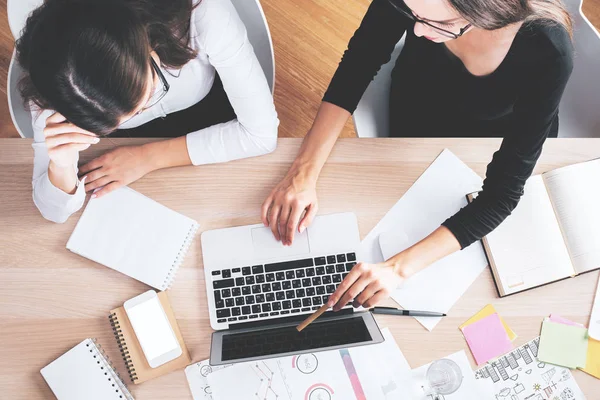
[65, 140]
[367, 284]
[118, 167]
[295, 195]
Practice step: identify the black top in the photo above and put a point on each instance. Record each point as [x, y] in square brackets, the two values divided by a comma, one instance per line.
[434, 95]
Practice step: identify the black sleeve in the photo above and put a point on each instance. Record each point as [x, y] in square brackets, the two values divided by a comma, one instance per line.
[514, 162]
[370, 48]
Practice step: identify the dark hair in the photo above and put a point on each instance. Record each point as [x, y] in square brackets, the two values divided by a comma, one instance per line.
[89, 59]
[496, 14]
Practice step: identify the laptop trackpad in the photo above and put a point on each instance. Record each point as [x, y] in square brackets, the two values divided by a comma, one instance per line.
[265, 245]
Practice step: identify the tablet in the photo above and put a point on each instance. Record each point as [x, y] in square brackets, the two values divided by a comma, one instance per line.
[279, 340]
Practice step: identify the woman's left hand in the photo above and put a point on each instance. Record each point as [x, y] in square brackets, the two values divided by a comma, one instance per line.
[118, 167]
[367, 284]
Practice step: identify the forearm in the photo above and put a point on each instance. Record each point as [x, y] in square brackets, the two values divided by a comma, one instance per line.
[167, 153]
[439, 244]
[319, 141]
[64, 178]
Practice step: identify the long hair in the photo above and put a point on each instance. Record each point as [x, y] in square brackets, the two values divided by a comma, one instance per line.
[496, 14]
[90, 59]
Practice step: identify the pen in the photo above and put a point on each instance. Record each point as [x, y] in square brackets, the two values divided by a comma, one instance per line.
[409, 313]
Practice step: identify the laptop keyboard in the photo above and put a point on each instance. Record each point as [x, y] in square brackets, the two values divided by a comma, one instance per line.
[284, 288]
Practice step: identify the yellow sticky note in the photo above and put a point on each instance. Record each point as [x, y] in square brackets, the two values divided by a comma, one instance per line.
[485, 312]
[592, 365]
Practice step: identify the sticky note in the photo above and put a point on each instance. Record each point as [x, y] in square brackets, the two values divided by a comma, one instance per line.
[563, 345]
[561, 320]
[485, 312]
[592, 365]
[487, 338]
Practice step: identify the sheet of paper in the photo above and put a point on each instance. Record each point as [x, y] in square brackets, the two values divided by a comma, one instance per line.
[487, 338]
[528, 248]
[575, 195]
[519, 375]
[197, 377]
[484, 312]
[438, 194]
[469, 389]
[592, 365]
[563, 345]
[560, 320]
[367, 372]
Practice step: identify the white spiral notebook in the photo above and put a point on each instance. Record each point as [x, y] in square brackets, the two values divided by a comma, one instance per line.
[84, 372]
[135, 235]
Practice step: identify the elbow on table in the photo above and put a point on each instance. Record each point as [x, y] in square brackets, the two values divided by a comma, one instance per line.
[50, 214]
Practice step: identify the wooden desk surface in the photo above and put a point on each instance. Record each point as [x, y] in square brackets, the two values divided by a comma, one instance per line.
[51, 299]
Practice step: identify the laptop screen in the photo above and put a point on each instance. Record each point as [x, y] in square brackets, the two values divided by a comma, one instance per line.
[265, 342]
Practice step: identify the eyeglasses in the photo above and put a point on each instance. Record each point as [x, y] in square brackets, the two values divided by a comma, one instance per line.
[406, 11]
[157, 95]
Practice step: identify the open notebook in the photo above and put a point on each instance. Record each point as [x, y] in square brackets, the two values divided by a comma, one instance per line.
[554, 232]
[135, 235]
[84, 372]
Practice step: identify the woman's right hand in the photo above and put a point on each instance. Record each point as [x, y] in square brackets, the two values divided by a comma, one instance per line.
[65, 140]
[283, 209]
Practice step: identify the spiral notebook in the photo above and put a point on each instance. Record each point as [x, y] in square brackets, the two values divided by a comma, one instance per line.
[135, 235]
[84, 372]
[137, 366]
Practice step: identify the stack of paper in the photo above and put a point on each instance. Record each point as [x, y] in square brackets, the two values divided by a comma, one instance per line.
[367, 372]
[488, 335]
[592, 364]
[438, 194]
[564, 345]
[520, 375]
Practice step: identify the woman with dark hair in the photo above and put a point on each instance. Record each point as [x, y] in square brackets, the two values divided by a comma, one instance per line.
[468, 68]
[182, 69]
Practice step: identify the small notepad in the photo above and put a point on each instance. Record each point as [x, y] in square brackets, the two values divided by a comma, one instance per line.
[133, 234]
[564, 345]
[487, 338]
[84, 372]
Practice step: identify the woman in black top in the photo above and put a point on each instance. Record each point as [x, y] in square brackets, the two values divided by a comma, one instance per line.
[469, 68]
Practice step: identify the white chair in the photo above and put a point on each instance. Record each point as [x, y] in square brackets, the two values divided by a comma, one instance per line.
[579, 108]
[18, 11]
[250, 12]
[580, 105]
[372, 116]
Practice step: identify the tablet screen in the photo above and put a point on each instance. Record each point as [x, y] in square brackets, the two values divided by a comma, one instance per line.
[269, 341]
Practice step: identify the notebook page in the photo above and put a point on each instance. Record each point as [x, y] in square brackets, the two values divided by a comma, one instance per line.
[575, 195]
[133, 234]
[528, 247]
[80, 374]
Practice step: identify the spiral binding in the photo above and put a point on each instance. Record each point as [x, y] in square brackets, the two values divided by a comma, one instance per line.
[116, 327]
[180, 256]
[103, 361]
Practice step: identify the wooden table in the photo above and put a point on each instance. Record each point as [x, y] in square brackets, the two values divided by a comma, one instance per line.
[51, 299]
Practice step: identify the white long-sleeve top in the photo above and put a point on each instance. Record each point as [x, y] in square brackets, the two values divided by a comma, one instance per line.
[220, 38]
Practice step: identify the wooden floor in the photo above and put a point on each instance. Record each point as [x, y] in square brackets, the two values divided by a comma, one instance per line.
[309, 36]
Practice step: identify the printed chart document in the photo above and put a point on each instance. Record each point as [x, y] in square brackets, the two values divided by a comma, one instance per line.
[552, 234]
[366, 372]
[520, 375]
[438, 194]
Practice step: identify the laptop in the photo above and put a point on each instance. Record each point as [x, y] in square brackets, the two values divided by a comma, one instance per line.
[259, 290]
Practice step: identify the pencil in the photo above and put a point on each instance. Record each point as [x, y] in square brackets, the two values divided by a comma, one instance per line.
[312, 317]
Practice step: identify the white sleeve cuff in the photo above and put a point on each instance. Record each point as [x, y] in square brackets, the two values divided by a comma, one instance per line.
[54, 204]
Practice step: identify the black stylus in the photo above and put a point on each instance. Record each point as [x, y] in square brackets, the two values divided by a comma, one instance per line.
[409, 313]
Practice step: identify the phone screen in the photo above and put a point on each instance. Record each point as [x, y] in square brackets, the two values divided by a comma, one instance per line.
[152, 328]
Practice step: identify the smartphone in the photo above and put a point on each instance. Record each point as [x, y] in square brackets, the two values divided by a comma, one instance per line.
[152, 328]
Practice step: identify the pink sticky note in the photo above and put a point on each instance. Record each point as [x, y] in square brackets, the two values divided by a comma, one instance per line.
[487, 339]
[560, 320]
